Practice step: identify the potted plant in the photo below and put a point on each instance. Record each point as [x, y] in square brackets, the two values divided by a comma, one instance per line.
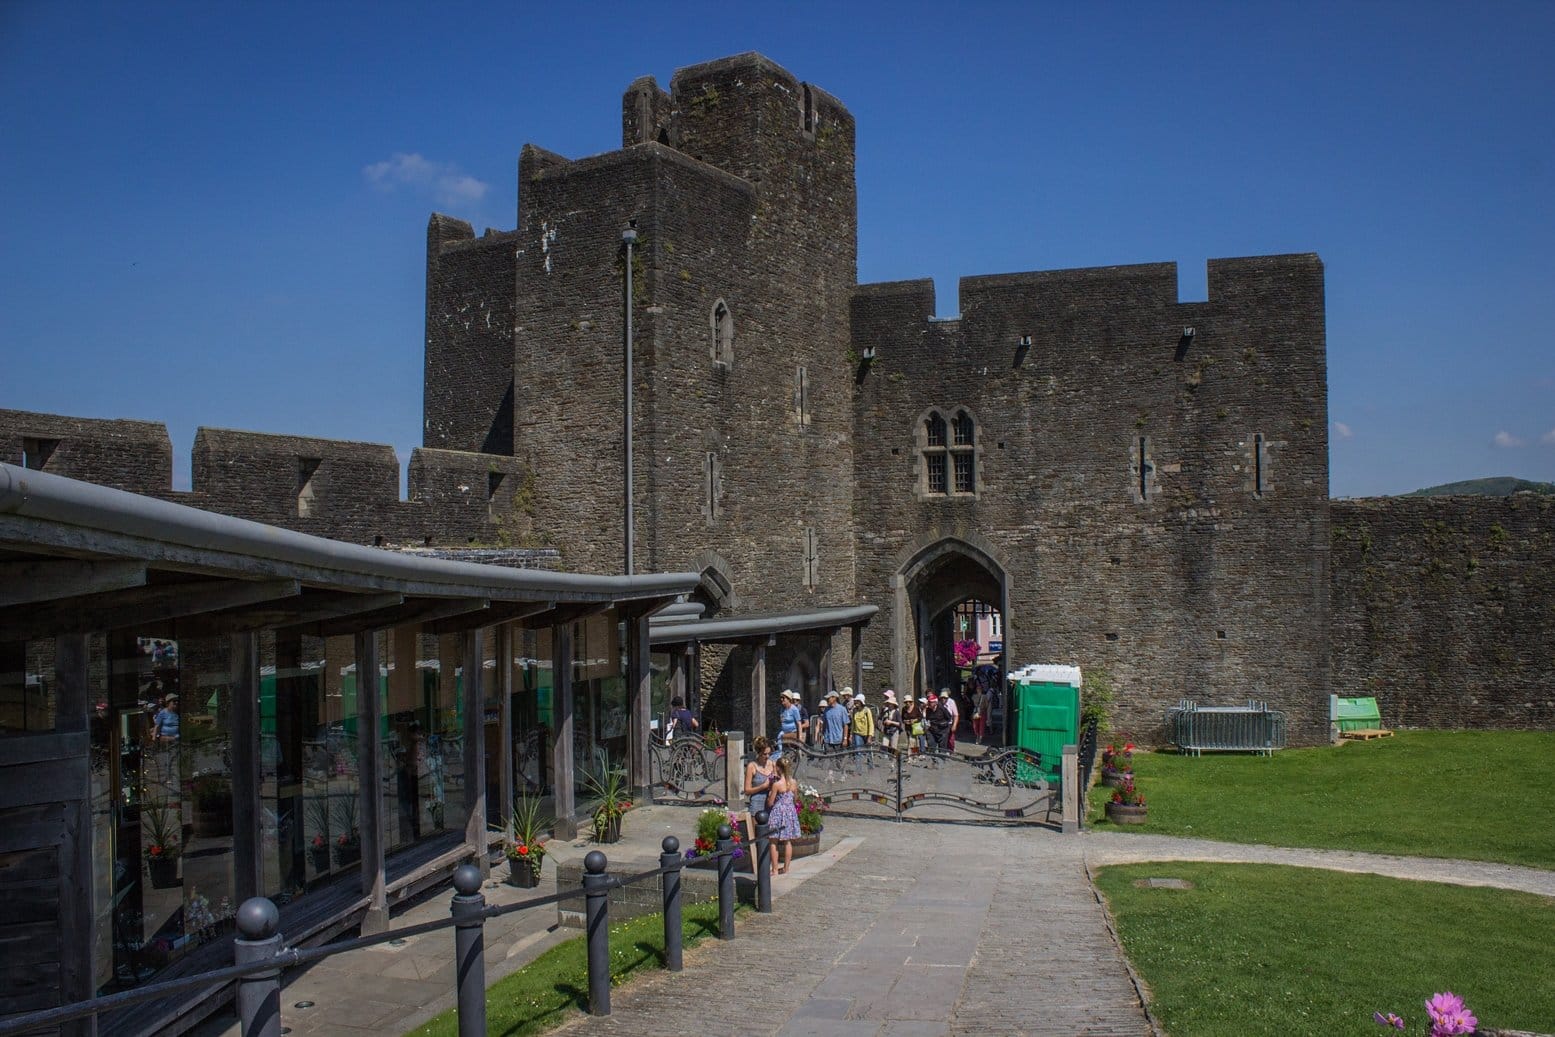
[162, 849]
[348, 844]
[1117, 764]
[1127, 806]
[318, 845]
[611, 790]
[521, 843]
[706, 842]
[212, 805]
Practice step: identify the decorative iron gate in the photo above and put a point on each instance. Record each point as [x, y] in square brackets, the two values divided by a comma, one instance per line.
[1002, 784]
[686, 771]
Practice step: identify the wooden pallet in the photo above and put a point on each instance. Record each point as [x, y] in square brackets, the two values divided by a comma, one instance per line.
[1366, 734]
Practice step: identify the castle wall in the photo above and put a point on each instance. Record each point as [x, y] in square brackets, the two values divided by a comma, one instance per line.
[1203, 589]
[124, 454]
[458, 499]
[1444, 609]
[468, 385]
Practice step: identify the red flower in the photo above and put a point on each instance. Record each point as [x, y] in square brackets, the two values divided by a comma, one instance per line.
[523, 849]
[318, 840]
[156, 850]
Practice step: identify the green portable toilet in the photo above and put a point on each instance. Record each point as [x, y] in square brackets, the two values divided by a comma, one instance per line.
[1047, 714]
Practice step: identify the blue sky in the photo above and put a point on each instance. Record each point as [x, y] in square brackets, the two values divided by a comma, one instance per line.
[216, 212]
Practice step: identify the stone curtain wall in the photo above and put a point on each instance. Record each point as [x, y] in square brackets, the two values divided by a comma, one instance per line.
[454, 501]
[127, 455]
[1203, 590]
[1444, 609]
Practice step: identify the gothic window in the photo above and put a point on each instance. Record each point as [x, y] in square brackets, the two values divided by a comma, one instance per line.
[808, 104]
[722, 327]
[949, 455]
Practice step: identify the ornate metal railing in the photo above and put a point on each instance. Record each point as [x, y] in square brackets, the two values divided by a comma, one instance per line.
[1003, 784]
[686, 771]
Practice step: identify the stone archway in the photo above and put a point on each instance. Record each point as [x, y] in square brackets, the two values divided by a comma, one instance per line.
[931, 582]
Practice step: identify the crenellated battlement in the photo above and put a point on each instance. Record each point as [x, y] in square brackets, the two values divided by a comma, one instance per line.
[338, 488]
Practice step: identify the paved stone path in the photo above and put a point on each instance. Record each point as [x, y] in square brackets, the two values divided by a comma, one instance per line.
[901, 929]
[921, 929]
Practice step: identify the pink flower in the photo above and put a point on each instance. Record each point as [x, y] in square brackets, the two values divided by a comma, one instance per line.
[1449, 1015]
[1388, 1020]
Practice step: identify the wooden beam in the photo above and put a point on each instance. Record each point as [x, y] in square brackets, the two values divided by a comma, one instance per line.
[247, 867]
[563, 777]
[475, 748]
[857, 646]
[495, 612]
[311, 607]
[759, 691]
[53, 578]
[505, 635]
[369, 769]
[639, 701]
[139, 606]
[565, 614]
[77, 919]
[414, 610]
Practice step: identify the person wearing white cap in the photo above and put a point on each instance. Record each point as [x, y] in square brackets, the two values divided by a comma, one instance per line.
[788, 720]
[862, 723]
[890, 720]
[912, 724]
[834, 724]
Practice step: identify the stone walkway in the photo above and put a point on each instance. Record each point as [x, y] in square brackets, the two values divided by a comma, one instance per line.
[898, 930]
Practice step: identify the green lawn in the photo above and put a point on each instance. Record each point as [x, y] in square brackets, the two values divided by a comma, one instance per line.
[1268, 949]
[555, 985]
[1477, 795]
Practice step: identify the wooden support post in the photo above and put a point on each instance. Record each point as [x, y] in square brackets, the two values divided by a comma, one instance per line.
[825, 667]
[505, 653]
[758, 723]
[369, 761]
[1069, 777]
[694, 680]
[857, 647]
[475, 748]
[77, 917]
[563, 775]
[639, 700]
[247, 867]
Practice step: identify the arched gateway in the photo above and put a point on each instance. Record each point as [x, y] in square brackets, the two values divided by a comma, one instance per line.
[934, 579]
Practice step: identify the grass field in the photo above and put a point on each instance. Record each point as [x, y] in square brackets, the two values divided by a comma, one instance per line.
[1477, 795]
[1269, 949]
[555, 985]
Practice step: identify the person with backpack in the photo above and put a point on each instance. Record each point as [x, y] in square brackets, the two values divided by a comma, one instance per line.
[862, 723]
[682, 723]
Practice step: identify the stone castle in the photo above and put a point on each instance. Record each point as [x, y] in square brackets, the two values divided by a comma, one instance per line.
[1138, 484]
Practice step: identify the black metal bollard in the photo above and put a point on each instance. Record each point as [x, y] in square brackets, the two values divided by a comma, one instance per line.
[670, 883]
[596, 914]
[470, 950]
[763, 863]
[725, 883]
[259, 994]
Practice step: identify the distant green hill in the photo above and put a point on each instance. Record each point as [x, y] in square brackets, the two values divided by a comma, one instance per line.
[1497, 486]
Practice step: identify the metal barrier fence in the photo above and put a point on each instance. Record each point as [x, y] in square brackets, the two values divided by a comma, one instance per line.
[685, 771]
[1003, 784]
[1251, 728]
[260, 952]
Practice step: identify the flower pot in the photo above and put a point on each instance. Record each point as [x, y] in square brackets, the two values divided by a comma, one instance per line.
[320, 855]
[1114, 779]
[164, 872]
[1127, 813]
[347, 855]
[609, 832]
[523, 872]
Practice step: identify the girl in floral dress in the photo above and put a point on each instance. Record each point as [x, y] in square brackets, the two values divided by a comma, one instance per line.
[783, 815]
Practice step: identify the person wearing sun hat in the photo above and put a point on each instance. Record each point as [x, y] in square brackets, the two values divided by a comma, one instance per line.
[890, 720]
[789, 720]
[834, 724]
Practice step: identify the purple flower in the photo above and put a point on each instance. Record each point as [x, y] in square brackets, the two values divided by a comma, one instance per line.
[1449, 1015]
[1388, 1020]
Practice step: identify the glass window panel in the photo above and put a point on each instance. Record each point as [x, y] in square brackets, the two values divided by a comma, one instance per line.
[935, 463]
[965, 483]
